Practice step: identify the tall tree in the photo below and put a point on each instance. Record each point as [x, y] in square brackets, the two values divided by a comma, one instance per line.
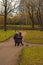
[39, 13]
[33, 6]
[9, 6]
[29, 7]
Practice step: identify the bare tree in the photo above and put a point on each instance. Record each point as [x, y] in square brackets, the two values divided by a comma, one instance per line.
[9, 6]
[29, 7]
[33, 7]
[40, 13]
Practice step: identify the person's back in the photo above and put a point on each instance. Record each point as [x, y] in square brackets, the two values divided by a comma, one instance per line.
[20, 38]
[16, 38]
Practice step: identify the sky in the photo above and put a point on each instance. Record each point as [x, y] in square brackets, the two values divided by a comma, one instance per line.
[14, 1]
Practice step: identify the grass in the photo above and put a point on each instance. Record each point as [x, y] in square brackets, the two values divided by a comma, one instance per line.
[22, 26]
[19, 26]
[34, 36]
[4, 35]
[32, 56]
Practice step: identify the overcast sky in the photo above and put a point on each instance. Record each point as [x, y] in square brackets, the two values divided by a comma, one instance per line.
[14, 1]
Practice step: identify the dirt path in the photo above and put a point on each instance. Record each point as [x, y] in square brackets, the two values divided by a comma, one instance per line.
[9, 53]
[31, 44]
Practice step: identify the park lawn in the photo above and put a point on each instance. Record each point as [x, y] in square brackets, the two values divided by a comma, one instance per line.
[4, 35]
[22, 26]
[32, 56]
[34, 36]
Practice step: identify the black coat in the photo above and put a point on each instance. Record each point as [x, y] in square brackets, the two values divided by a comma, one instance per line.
[17, 38]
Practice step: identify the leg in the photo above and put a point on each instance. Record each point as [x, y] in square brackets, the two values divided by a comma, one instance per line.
[15, 43]
[22, 43]
[18, 44]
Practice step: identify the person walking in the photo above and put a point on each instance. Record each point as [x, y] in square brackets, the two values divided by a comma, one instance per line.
[16, 38]
[20, 39]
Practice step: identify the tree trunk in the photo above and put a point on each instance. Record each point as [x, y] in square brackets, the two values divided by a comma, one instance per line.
[5, 16]
[32, 18]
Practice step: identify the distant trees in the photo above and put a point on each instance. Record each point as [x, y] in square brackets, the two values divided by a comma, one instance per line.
[30, 11]
[34, 9]
[8, 6]
[31, 8]
[40, 13]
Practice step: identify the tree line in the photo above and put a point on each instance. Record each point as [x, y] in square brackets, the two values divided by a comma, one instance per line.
[29, 10]
[34, 8]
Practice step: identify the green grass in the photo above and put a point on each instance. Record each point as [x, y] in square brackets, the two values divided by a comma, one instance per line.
[4, 35]
[19, 26]
[32, 56]
[22, 26]
[34, 36]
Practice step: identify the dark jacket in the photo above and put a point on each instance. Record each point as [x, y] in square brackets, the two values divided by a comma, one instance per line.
[17, 38]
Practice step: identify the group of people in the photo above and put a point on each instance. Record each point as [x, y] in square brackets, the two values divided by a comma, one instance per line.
[18, 39]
